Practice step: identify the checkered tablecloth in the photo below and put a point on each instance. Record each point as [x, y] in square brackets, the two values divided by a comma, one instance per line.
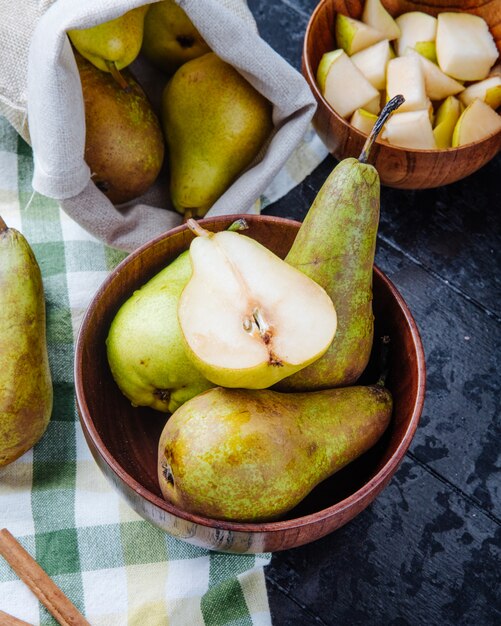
[115, 567]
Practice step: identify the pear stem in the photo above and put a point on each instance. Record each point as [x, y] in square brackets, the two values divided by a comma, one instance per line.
[115, 72]
[196, 229]
[384, 359]
[388, 109]
[240, 224]
[3, 225]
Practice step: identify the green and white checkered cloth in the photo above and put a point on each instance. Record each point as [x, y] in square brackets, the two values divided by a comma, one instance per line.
[114, 566]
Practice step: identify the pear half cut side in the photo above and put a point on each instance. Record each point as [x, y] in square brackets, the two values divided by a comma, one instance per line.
[247, 317]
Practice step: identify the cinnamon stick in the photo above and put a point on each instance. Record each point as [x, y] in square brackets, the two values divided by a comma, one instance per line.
[9, 620]
[39, 582]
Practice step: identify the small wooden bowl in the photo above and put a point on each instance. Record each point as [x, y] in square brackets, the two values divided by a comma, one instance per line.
[397, 167]
[124, 439]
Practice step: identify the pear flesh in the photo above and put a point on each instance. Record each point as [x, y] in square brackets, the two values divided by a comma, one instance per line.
[253, 455]
[247, 317]
[25, 379]
[144, 345]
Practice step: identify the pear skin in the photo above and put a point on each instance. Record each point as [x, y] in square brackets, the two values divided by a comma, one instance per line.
[144, 344]
[170, 38]
[253, 455]
[25, 379]
[112, 45]
[124, 145]
[215, 125]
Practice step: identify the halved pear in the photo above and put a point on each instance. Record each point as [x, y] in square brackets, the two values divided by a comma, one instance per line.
[372, 62]
[488, 90]
[465, 47]
[476, 122]
[344, 86]
[375, 15]
[415, 26]
[404, 75]
[438, 85]
[353, 35]
[411, 129]
[445, 121]
[248, 318]
[363, 120]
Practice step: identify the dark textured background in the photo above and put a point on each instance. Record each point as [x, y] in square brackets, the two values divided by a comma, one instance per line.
[428, 551]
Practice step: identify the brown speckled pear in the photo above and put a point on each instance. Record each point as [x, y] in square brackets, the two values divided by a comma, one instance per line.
[25, 381]
[335, 246]
[253, 455]
[124, 145]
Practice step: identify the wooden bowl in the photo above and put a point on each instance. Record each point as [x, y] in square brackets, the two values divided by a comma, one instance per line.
[397, 167]
[124, 439]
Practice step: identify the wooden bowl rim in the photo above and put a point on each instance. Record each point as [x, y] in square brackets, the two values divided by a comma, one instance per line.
[311, 76]
[246, 527]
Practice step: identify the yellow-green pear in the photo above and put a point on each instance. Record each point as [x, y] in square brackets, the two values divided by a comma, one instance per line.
[243, 455]
[144, 345]
[445, 121]
[476, 122]
[170, 38]
[112, 45]
[248, 318]
[488, 90]
[25, 379]
[215, 123]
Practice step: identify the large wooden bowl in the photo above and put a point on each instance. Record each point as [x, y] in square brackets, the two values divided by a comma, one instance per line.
[397, 167]
[124, 439]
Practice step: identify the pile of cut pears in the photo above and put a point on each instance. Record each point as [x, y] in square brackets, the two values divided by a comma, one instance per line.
[213, 123]
[444, 66]
[257, 358]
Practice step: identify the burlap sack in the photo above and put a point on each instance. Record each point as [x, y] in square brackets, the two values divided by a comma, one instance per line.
[40, 94]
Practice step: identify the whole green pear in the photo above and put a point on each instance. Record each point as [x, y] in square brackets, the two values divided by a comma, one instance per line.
[112, 45]
[144, 346]
[25, 379]
[335, 246]
[253, 455]
[215, 124]
[124, 145]
[170, 38]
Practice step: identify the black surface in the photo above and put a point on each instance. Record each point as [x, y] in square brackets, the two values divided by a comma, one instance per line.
[428, 551]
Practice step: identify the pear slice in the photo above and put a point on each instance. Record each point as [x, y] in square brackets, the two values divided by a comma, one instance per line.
[411, 129]
[415, 26]
[372, 62]
[465, 47]
[427, 49]
[344, 86]
[353, 35]
[438, 85]
[488, 90]
[248, 318]
[363, 120]
[405, 76]
[477, 121]
[445, 121]
[375, 15]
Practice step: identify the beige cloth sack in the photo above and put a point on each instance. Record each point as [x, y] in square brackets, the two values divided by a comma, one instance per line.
[40, 94]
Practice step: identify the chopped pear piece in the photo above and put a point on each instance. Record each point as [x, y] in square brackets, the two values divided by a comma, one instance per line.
[445, 121]
[477, 122]
[404, 75]
[411, 129]
[415, 26]
[427, 49]
[377, 16]
[363, 120]
[438, 85]
[372, 62]
[353, 35]
[344, 86]
[488, 90]
[465, 47]
[248, 318]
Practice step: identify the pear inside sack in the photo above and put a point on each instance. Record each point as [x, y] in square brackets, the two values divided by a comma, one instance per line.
[247, 317]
